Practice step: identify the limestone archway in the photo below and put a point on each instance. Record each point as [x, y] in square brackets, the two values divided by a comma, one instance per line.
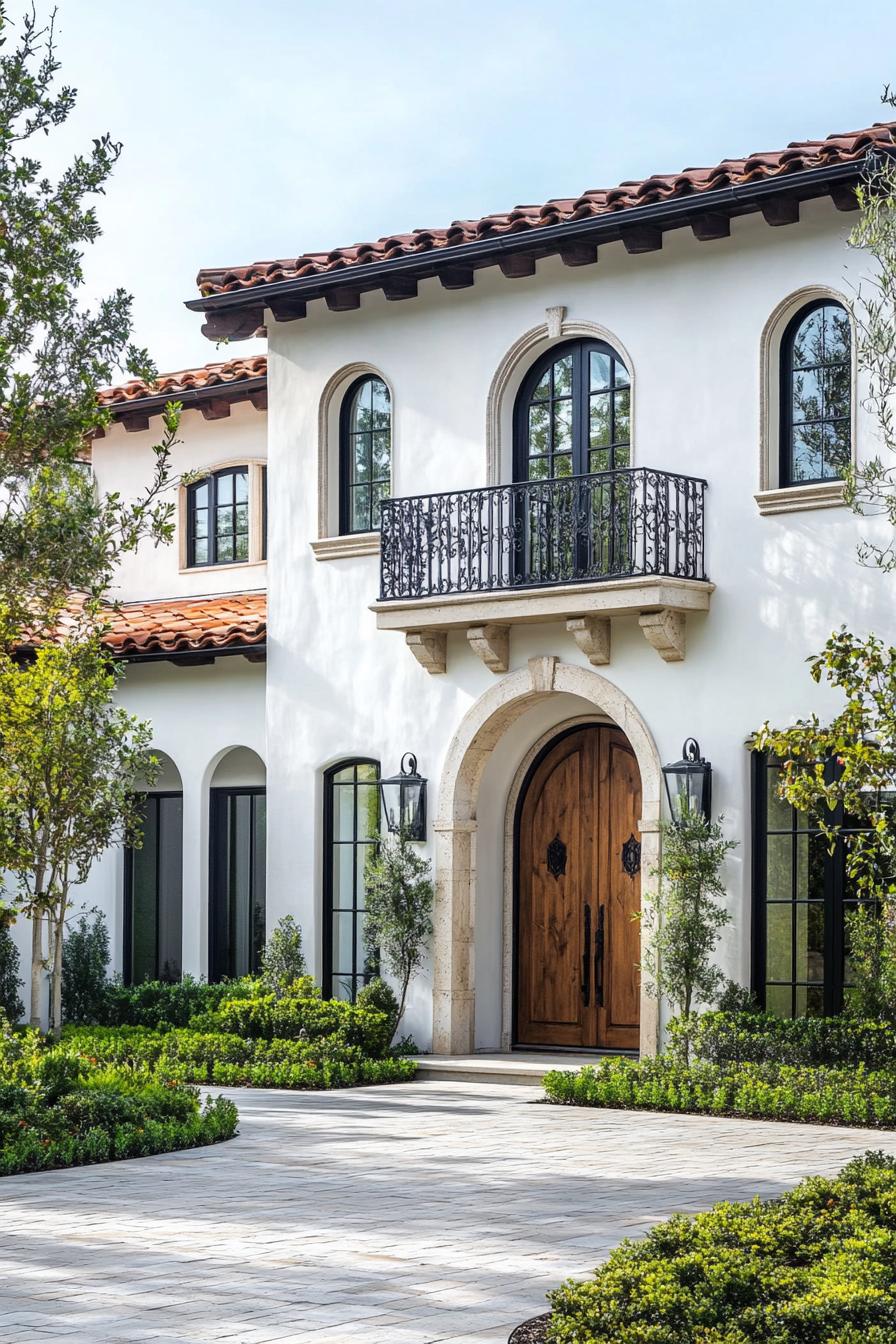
[455, 827]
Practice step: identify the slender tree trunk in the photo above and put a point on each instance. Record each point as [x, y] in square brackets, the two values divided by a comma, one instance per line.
[57, 974]
[37, 968]
[401, 1002]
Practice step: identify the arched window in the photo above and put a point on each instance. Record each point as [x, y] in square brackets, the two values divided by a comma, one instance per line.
[218, 518]
[573, 413]
[365, 454]
[351, 835]
[816, 395]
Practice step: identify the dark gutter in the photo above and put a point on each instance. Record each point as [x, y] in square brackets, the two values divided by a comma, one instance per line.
[675, 213]
[196, 655]
[239, 390]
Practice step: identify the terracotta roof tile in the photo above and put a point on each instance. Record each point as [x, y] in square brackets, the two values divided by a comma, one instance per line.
[798, 157]
[205, 378]
[186, 625]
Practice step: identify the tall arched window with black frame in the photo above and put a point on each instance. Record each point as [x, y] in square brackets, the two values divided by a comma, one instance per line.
[351, 837]
[816, 395]
[365, 454]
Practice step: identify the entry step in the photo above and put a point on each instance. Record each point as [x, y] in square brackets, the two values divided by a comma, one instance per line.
[518, 1066]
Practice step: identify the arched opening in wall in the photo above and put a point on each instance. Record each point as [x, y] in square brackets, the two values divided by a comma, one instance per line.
[153, 883]
[237, 862]
[576, 879]
[491, 777]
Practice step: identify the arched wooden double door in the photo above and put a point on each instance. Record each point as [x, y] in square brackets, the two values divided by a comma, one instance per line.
[578, 894]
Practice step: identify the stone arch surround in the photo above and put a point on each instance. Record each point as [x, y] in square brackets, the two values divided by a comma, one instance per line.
[455, 830]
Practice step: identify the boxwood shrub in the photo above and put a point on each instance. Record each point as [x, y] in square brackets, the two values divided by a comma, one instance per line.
[817, 1266]
[226, 1059]
[757, 1038]
[768, 1091]
[59, 1108]
[160, 1002]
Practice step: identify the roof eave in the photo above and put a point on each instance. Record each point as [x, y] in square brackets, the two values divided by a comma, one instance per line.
[676, 212]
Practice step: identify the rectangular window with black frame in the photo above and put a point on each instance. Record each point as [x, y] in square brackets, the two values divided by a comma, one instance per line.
[153, 893]
[801, 898]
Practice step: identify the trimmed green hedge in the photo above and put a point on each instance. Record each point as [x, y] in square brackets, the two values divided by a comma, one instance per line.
[230, 1060]
[758, 1091]
[722, 1038]
[305, 1017]
[61, 1109]
[158, 1002]
[817, 1266]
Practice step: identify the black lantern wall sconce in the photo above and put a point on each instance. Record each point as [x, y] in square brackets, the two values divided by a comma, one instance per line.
[689, 784]
[404, 800]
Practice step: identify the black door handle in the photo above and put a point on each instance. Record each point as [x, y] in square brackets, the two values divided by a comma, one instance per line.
[586, 959]
[599, 959]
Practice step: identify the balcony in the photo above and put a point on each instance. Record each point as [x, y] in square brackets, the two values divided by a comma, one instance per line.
[580, 549]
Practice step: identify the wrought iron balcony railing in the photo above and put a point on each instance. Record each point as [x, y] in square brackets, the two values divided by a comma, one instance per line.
[534, 534]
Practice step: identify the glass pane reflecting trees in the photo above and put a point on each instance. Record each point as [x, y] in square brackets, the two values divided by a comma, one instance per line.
[352, 830]
[816, 393]
[365, 454]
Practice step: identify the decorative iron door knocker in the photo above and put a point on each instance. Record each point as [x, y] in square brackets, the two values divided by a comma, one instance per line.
[631, 856]
[556, 857]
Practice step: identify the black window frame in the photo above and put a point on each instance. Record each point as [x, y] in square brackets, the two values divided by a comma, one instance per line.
[347, 485]
[221, 945]
[580, 396]
[785, 387]
[154, 796]
[836, 897]
[212, 480]
[330, 974]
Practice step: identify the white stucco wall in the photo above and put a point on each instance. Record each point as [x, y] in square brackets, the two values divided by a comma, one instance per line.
[691, 319]
[125, 462]
[199, 715]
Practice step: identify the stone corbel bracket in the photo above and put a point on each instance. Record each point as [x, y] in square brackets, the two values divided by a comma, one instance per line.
[491, 643]
[665, 631]
[430, 648]
[592, 634]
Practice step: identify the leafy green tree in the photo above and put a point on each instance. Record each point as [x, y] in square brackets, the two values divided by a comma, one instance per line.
[871, 485]
[283, 961]
[57, 535]
[10, 983]
[71, 764]
[398, 920]
[85, 969]
[684, 917]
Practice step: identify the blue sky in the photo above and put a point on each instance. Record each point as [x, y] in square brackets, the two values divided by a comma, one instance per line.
[259, 128]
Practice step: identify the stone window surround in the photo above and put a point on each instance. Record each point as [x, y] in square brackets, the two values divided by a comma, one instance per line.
[330, 545]
[256, 466]
[772, 498]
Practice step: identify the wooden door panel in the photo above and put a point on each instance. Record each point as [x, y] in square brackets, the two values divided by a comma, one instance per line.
[584, 798]
[550, 1004]
[620, 892]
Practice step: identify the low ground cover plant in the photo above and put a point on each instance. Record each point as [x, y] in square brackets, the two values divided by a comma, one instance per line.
[60, 1107]
[765, 1091]
[817, 1265]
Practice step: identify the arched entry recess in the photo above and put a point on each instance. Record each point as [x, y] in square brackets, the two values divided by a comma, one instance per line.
[454, 989]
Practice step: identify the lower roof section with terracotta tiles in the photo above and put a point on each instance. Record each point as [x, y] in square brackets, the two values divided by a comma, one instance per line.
[211, 389]
[190, 629]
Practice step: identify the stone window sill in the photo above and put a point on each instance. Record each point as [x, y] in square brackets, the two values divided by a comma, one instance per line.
[799, 498]
[341, 548]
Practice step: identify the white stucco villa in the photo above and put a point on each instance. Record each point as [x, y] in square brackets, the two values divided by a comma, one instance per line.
[536, 498]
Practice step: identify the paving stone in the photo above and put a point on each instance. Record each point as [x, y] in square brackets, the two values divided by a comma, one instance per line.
[438, 1213]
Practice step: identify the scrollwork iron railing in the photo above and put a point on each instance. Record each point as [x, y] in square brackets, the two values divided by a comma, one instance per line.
[533, 534]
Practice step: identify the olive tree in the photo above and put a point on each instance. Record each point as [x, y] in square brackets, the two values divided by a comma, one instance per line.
[72, 763]
[398, 919]
[684, 917]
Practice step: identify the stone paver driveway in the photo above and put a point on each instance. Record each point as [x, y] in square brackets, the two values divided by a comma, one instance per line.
[399, 1215]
